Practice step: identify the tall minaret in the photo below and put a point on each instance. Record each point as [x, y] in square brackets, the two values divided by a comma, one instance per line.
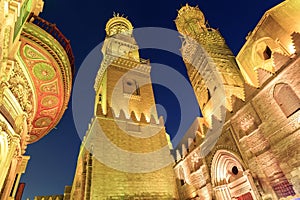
[125, 153]
[210, 63]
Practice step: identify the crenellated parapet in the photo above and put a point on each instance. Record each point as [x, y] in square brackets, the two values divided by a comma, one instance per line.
[270, 43]
[123, 80]
[133, 117]
[126, 141]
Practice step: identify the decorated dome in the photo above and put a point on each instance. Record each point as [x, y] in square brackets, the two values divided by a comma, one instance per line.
[44, 72]
[189, 19]
[118, 24]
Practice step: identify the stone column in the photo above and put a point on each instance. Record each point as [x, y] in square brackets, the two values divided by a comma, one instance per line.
[21, 167]
[4, 151]
[10, 167]
[222, 192]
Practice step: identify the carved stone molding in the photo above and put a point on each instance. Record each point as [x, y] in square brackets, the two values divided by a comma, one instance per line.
[19, 86]
[3, 126]
[257, 143]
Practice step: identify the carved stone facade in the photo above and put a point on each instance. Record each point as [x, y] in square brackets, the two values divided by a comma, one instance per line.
[246, 145]
[19, 98]
[256, 156]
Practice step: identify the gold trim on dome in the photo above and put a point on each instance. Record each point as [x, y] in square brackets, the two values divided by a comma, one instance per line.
[188, 11]
[43, 122]
[33, 34]
[50, 101]
[118, 24]
[187, 18]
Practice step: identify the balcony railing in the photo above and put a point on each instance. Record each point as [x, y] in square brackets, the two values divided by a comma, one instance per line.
[56, 33]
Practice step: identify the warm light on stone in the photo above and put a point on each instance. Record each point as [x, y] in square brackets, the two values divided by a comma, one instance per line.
[252, 157]
[35, 85]
[244, 147]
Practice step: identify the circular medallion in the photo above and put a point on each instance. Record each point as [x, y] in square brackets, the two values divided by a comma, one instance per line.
[50, 101]
[43, 71]
[43, 122]
[33, 137]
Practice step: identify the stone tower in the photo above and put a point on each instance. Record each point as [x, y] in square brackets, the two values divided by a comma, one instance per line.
[125, 153]
[255, 154]
[206, 55]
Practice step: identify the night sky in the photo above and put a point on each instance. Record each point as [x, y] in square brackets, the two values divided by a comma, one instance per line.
[53, 158]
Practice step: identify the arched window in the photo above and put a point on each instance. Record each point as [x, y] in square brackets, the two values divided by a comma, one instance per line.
[267, 53]
[181, 176]
[286, 98]
[130, 86]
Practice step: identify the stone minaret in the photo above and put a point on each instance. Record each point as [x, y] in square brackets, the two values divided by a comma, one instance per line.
[125, 153]
[210, 63]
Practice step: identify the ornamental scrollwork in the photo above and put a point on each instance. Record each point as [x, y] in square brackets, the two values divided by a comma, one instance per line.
[20, 88]
[247, 121]
[3, 126]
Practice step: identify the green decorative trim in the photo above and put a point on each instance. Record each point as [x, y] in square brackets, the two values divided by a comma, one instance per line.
[43, 122]
[47, 42]
[50, 101]
[24, 13]
[43, 71]
[60, 55]
[32, 54]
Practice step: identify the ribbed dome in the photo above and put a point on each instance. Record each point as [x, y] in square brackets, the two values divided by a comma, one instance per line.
[118, 24]
[188, 17]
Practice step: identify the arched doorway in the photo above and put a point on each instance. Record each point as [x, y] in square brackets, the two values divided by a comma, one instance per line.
[230, 179]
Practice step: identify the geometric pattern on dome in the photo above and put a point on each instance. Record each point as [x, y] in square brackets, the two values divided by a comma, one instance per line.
[43, 122]
[44, 71]
[187, 18]
[49, 101]
[51, 87]
[50, 74]
[118, 24]
[33, 54]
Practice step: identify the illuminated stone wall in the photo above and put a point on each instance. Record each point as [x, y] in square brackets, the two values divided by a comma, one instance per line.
[272, 34]
[202, 47]
[257, 154]
[125, 153]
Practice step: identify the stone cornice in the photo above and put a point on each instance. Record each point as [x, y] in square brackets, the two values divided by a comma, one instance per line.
[141, 66]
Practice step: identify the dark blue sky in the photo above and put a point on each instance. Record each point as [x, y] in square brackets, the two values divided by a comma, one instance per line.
[53, 158]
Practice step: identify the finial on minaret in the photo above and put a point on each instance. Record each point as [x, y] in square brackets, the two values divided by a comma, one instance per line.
[118, 24]
[186, 15]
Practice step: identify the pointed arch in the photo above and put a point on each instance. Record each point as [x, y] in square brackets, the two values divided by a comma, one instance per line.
[286, 98]
[226, 166]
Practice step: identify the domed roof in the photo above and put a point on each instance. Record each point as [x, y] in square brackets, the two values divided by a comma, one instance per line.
[188, 16]
[46, 59]
[118, 24]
